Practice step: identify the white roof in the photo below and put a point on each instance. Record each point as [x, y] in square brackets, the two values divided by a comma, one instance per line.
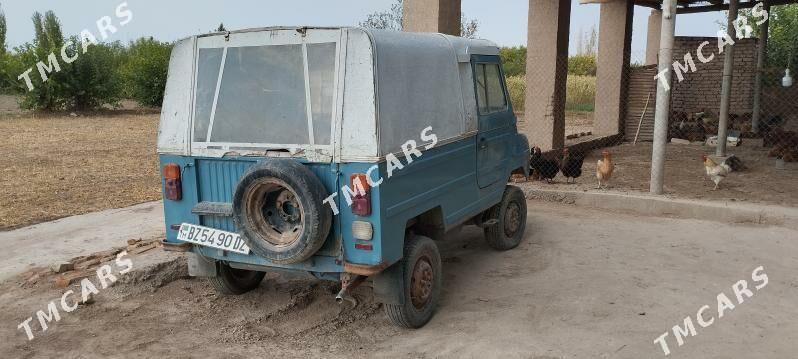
[396, 84]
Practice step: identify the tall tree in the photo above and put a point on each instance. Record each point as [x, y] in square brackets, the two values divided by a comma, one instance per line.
[3, 31]
[221, 28]
[783, 36]
[52, 27]
[392, 20]
[40, 36]
[385, 20]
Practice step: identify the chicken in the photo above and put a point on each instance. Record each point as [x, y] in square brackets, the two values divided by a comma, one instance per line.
[544, 169]
[604, 169]
[716, 172]
[571, 165]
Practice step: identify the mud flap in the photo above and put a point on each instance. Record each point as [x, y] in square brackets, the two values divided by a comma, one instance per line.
[389, 285]
[200, 266]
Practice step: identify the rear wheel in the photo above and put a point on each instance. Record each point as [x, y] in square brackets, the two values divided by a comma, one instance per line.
[234, 281]
[509, 220]
[422, 276]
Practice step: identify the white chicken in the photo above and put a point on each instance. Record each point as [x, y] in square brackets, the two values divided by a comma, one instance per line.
[716, 172]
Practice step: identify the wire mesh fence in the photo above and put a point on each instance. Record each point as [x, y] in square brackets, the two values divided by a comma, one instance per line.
[769, 154]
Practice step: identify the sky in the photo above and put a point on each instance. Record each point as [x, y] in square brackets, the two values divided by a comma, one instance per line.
[503, 21]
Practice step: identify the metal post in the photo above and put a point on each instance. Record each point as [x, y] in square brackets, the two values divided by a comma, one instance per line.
[663, 109]
[725, 89]
[762, 50]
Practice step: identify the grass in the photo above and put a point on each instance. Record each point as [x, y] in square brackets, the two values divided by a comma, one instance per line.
[54, 167]
[580, 92]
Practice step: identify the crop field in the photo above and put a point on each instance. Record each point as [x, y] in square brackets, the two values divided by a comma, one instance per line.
[58, 166]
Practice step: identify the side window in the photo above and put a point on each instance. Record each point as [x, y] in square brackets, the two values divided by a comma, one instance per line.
[490, 89]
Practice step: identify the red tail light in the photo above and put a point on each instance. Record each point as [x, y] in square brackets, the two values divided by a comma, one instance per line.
[361, 201]
[173, 189]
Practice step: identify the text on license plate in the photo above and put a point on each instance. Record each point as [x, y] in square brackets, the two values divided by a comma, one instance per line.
[211, 237]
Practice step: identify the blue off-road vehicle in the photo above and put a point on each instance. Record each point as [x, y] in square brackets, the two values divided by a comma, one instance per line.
[340, 152]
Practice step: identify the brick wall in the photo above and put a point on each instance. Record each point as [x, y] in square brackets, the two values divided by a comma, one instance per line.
[700, 90]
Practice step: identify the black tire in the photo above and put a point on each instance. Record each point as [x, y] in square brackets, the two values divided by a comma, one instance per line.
[235, 281]
[421, 257]
[279, 211]
[510, 220]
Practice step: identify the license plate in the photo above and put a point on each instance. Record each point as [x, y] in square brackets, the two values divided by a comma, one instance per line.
[211, 237]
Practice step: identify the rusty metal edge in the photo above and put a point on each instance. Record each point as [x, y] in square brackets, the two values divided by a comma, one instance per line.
[363, 269]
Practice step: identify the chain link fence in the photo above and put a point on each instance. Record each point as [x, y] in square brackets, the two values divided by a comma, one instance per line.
[770, 155]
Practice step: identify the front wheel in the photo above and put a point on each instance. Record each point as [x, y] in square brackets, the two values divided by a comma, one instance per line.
[234, 281]
[508, 219]
[422, 276]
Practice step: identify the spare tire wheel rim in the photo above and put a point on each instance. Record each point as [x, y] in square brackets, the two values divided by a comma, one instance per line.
[512, 219]
[274, 211]
[421, 282]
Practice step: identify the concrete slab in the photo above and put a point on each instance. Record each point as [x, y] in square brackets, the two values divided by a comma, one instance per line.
[66, 238]
[728, 212]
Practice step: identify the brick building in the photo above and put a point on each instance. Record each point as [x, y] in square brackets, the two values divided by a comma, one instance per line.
[700, 90]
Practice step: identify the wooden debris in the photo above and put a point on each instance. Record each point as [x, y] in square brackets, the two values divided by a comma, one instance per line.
[64, 280]
[143, 248]
[61, 267]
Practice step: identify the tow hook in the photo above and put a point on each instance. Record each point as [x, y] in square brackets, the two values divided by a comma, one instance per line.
[348, 283]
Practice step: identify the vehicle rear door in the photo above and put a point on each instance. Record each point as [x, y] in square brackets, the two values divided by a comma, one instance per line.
[496, 120]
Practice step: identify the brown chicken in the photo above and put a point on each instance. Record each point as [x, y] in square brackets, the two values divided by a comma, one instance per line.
[604, 169]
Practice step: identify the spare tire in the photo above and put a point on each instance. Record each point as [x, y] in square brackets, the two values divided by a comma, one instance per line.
[279, 211]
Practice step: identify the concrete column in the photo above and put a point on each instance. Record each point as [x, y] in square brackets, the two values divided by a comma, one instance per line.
[663, 107]
[547, 72]
[725, 88]
[612, 77]
[432, 16]
[652, 43]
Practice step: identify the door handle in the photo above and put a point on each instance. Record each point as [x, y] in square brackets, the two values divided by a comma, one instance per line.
[483, 143]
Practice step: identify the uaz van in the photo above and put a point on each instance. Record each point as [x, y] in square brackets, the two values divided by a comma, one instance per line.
[341, 152]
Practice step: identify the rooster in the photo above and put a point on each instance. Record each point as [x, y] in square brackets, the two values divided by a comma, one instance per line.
[571, 165]
[716, 172]
[604, 169]
[545, 169]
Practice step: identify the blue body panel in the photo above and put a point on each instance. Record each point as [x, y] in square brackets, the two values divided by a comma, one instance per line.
[444, 177]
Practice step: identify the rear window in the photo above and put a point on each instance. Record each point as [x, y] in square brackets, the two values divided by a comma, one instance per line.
[276, 94]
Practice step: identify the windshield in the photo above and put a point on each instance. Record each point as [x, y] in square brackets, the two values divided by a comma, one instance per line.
[275, 94]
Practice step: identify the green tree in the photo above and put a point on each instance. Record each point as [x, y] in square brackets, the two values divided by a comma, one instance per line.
[221, 28]
[3, 32]
[88, 82]
[93, 80]
[146, 69]
[45, 95]
[513, 60]
[5, 82]
[782, 37]
[582, 65]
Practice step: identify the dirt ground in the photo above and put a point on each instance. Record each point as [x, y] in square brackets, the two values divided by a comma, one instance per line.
[685, 176]
[584, 284]
[57, 166]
